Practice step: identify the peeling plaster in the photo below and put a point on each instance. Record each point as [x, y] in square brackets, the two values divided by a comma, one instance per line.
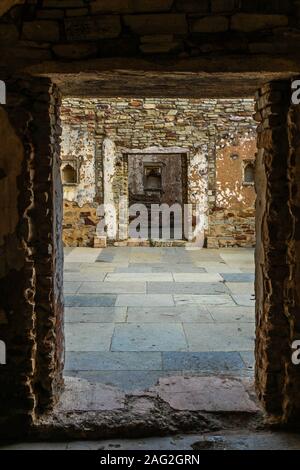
[79, 146]
[109, 166]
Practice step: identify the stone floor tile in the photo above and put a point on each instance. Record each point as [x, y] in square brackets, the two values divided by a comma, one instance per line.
[71, 287]
[81, 395]
[249, 359]
[95, 314]
[210, 362]
[84, 276]
[195, 393]
[237, 277]
[178, 314]
[141, 277]
[145, 300]
[212, 299]
[197, 277]
[223, 314]
[113, 360]
[220, 337]
[149, 337]
[88, 336]
[126, 381]
[245, 300]
[112, 287]
[90, 300]
[186, 288]
[240, 288]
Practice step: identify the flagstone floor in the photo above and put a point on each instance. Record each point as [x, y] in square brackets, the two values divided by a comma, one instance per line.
[134, 314]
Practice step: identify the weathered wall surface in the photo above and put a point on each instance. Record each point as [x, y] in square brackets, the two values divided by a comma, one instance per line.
[232, 219]
[171, 178]
[206, 130]
[277, 252]
[74, 30]
[31, 304]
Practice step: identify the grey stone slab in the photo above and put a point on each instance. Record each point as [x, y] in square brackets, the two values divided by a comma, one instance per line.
[209, 362]
[113, 361]
[217, 394]
[90, 300]
[249, 359]
[178, 314]
[178, 268]
[238, 277]
[95, 314]
[145, 300]
[127, 381]
[220, 337]
[88, 336]
[72, 267]
[230, 440]
[141, 277]
[71, 287]
[84, 276]
[244, 300]
[240, 288]
[197, 277]
[223, 314]
[186, 288]
[81, 395]
[134, 269]
[149, 337]
[202, 299]
[112, 287]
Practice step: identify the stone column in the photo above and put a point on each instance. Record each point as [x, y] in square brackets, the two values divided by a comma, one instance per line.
[277, 251]
[31, 302]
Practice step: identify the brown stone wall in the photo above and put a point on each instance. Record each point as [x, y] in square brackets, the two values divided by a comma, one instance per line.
[31, 257]
[277, 252]
[79, 29]
[208, 131]
[232, 220]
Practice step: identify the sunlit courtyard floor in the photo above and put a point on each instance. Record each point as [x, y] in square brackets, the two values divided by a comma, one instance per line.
[135, 314]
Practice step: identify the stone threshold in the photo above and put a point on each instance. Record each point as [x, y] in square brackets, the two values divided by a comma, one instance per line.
[176, 404]
[153, 242]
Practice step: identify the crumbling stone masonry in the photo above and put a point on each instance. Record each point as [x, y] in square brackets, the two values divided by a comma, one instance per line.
[218, 138]
[31, 302]
[277, 250]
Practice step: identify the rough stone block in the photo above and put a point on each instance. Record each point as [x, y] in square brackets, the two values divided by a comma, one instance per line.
[192, 6]
[39, 30]
[210, 24]
[130, 6]
[78, 51]
[100, 242]
[8, 34]
[157, 24]
[251, 22]
[222, 5]
[63, 3]
[89, 29]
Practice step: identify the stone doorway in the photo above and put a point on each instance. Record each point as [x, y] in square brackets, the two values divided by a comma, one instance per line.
[156, 179]
[271, 292]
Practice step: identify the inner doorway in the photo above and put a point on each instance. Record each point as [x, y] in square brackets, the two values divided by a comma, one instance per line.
[156, 179]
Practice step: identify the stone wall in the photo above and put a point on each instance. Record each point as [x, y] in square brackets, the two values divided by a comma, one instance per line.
[207, 131]
[31, 302]
[81, 29]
